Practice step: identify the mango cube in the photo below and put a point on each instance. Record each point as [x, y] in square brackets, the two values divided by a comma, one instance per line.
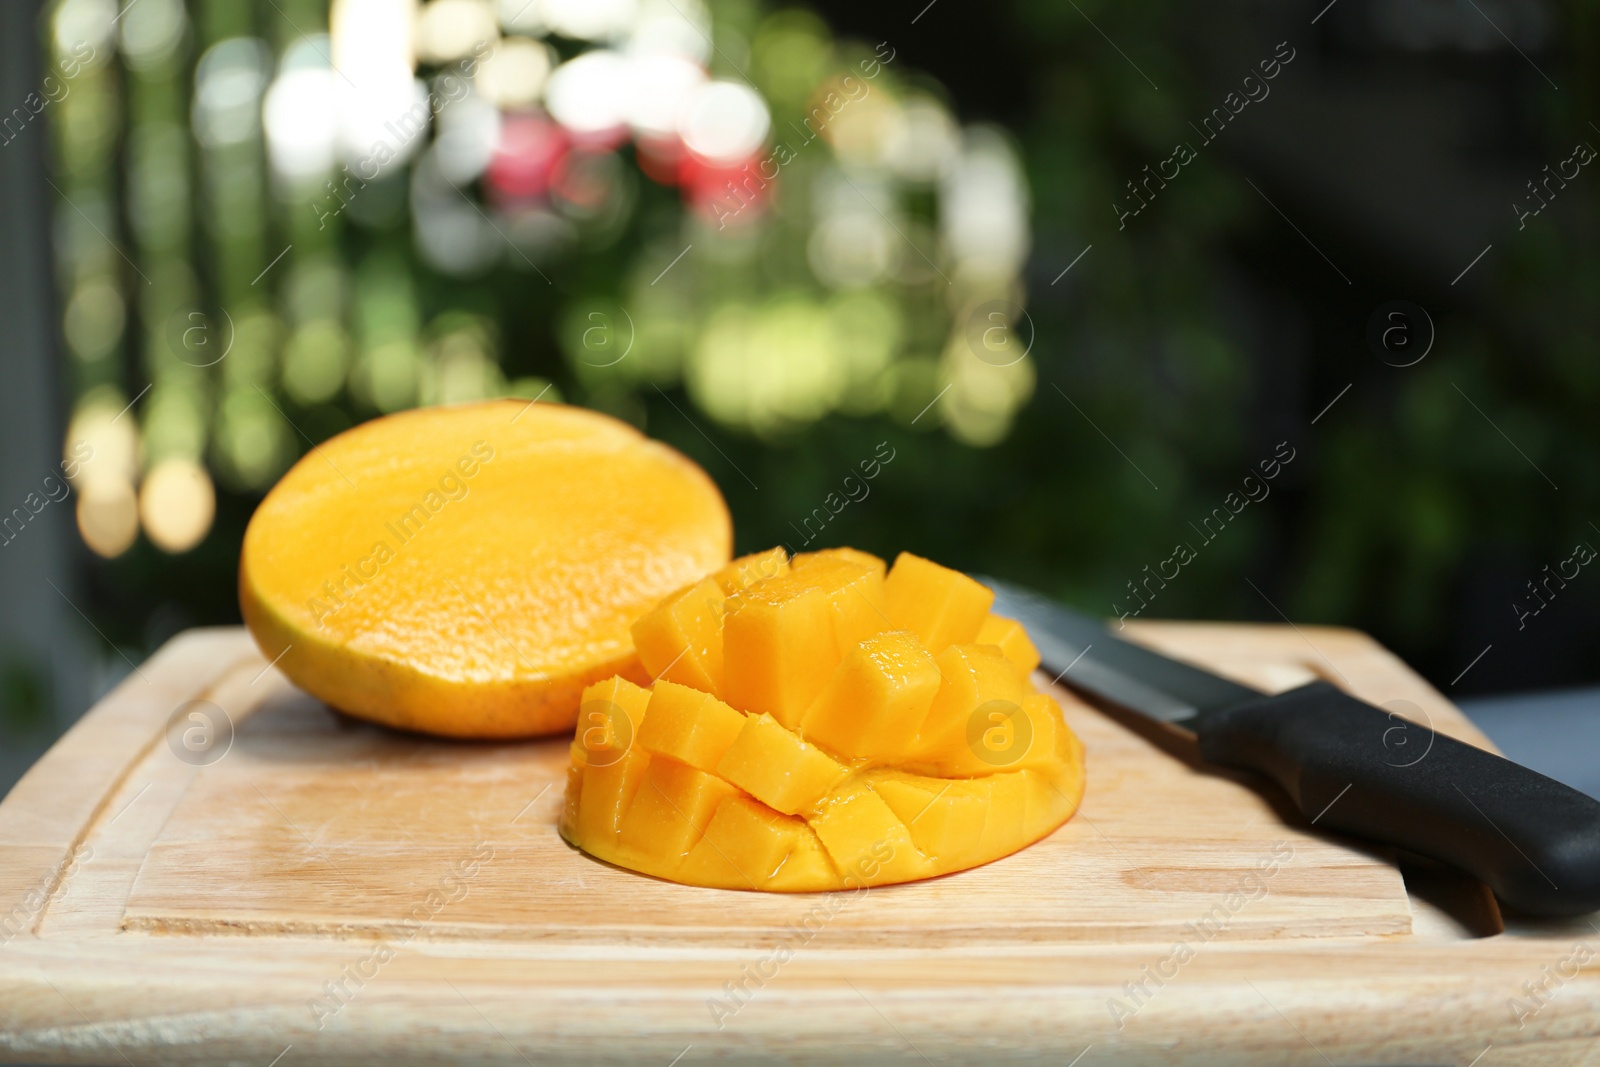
[976, 683]
[746, 842]
[608, 793]
[778, 647]
[942, 606]
[670, 809]
[1045, 803]
[866, 840]
[842, 555]
[572, 801]
[1005, 816]
[1069, 748]
[1013, 641]
[877, 699]
[1068, 777]
[945, 815]
[745, 571]
[1046, 727]
[609, 717]
[807, 869]
[1004, 736]
[776, 767]
[690, 726]
[681, 639]
[854, 588]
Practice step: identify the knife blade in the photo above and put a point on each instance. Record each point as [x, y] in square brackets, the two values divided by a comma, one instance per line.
[1531, 839]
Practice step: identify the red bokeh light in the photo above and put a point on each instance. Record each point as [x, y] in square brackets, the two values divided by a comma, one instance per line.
[529, 149]
[728, 194]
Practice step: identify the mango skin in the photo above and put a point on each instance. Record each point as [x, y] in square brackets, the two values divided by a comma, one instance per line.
[401, 696]
[513, 595]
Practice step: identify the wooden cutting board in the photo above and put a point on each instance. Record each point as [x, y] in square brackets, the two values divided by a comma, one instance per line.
[214, 867]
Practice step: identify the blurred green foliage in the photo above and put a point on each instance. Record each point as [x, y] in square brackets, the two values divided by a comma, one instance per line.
[1159, 387]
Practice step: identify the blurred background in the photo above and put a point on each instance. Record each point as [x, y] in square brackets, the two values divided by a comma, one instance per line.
[1308, 289]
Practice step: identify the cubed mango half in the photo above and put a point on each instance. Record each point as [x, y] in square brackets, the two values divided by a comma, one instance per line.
[856, 731]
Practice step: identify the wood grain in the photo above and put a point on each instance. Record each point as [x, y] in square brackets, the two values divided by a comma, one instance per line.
[357, 895]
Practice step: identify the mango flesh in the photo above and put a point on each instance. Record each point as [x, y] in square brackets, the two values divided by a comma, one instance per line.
[837, 747]
[778, 647]
[1011, 639]
[469, 570]
[941, 606]
[878, 696]
[682, 639]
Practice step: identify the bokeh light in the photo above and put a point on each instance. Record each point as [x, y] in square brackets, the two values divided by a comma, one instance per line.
[94, 318]
[588, 20]
[87, 23]
[176, 504]
[842, 225]
[152, 32]
[514, 74]
[662, 87]
[448, 30]
[302, 131]
[589, 95]
[228, 83]
[724, 122]
[108, 516]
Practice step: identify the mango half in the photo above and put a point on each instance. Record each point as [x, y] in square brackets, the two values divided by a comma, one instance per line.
[816, 724]
[468, 570]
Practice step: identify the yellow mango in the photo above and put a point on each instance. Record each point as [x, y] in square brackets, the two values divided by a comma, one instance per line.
[745, 571]
[1069, 749]
[467, 569]
[877, 699]
[1011, 638]
[1005, 815]
[690, 726]
[776, 767]
[1003, 736]
[681, 639]
[865, 839]
[840, 555]
[778, 647]
[746, 843]
[807, 869]
[942, 606]
[976, 682]
[1045, 728]
[609, 717]
[1044, 803]
[854, 588]
[1070, 778]
[836, 752]
[572, 802]
[607, 794]
[670, 809]
[945, 815]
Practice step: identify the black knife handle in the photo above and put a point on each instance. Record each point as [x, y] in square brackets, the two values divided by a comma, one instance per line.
[1355, 768]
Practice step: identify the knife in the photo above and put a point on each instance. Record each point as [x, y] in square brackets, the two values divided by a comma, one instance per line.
[1531, 839]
